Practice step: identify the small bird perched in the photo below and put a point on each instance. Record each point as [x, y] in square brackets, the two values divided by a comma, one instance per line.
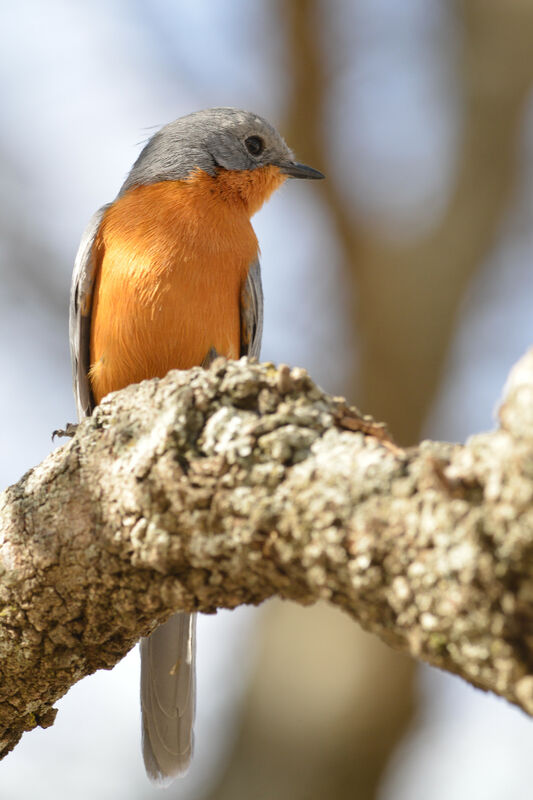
[167, 277]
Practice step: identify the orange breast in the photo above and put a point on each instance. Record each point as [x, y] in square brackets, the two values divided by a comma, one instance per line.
[171, 260]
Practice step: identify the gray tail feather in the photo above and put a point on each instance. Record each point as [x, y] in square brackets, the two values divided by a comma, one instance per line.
[168, 697]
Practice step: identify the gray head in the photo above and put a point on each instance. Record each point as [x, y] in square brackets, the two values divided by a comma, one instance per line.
[212, 139]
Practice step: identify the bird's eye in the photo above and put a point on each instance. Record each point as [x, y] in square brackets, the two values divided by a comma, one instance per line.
[255, 145]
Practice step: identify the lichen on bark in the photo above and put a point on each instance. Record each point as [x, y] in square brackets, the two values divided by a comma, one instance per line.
[212, 488]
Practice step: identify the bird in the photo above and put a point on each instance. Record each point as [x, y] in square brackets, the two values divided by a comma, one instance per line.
[167, 276]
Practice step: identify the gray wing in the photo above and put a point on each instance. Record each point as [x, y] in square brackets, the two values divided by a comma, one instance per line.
[81, 294]
[252, 312]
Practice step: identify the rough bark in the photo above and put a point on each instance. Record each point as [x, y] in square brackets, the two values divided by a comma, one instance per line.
[209, 489]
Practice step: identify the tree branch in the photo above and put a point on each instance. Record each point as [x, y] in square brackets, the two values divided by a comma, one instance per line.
[209, 489]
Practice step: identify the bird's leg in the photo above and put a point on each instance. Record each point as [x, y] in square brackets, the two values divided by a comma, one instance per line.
[210, 357]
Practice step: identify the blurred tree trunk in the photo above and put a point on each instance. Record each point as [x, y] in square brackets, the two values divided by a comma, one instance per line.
[407, 297]
[325, 708]
[328, 735]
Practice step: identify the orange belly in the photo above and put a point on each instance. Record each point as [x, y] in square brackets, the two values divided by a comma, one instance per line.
[171, 260]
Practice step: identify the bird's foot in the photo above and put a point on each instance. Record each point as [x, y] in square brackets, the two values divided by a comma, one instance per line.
[69, 430]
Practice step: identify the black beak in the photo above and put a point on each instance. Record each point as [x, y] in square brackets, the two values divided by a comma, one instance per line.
[295, 170]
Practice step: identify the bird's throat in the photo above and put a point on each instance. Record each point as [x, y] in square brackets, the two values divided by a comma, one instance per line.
[247, 189]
